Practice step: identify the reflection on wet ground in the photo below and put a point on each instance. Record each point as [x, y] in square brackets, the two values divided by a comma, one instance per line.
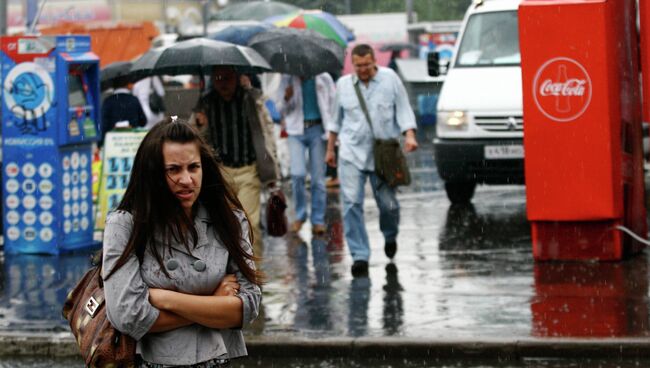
[460, 272]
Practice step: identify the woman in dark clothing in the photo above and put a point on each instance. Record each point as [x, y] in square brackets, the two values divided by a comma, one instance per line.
[121, 106]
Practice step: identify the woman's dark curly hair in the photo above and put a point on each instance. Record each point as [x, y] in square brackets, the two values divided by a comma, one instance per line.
[156, 210]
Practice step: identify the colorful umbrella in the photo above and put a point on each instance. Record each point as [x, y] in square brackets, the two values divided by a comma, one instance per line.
[317, 20]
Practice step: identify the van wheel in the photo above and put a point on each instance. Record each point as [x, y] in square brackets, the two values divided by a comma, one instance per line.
[460, 192]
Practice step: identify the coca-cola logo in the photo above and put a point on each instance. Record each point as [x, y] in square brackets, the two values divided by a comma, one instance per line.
[562, 89]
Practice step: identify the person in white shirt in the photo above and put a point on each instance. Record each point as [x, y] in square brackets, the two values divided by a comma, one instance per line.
[142, 90]
[307, 106]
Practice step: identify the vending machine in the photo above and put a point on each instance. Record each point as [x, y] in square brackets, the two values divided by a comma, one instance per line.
[50, 118]
[582, 128]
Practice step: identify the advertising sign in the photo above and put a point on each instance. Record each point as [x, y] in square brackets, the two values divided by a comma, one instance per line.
[119, 152]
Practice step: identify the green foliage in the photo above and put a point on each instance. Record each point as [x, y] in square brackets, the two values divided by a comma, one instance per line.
[427, 10]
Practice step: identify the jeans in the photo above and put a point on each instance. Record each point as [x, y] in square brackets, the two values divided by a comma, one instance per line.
[352, 184]
[312, 142]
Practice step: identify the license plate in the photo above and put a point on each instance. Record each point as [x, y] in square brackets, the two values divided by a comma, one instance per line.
[504, 152]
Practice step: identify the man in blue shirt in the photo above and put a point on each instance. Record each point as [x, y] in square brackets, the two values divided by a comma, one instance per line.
[390, 115]
[306, 105]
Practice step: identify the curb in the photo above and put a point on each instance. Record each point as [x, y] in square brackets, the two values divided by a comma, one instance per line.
[63, 345]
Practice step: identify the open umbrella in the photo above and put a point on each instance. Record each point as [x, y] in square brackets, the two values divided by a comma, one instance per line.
[143, 66]
[398, 46]
[113, 71]
[320, 21]
[239, 34]
[200, 55]
[300, 52]
[253, 10]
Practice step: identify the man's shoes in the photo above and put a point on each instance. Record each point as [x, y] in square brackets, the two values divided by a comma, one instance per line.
[318, 229]
[360, 268]
[390, 248]
[296, 226]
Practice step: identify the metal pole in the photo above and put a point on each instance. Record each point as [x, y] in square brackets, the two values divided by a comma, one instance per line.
[410, 16]
[348, 6]
[163, 14]
[206, 16]
[3, 16]
[34, 21]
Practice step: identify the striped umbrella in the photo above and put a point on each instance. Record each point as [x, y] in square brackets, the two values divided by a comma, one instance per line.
[322, 22]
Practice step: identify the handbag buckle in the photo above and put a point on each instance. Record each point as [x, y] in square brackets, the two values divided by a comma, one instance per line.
[92, 306]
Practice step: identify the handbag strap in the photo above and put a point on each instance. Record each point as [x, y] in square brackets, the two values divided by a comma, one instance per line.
[362, 103]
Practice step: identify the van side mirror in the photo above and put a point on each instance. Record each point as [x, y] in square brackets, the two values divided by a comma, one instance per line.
[433, 63]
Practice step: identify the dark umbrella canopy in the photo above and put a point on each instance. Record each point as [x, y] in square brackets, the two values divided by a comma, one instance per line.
[143, 67]
[114, 71]
[254, 10]
[398, 46]
[300, 52]
[200, 55]
[239, 34]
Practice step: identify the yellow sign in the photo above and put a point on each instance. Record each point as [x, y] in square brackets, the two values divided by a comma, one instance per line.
[120, 148]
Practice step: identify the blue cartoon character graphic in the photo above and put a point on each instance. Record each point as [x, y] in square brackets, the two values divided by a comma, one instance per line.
[28, 94]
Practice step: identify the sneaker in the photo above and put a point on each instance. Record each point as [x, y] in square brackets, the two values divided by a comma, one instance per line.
[318, 229]
[296, 226]
[390, 248]
[360, 268]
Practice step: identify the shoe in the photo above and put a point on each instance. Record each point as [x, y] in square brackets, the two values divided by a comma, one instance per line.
[359, 268]
[296, 226]
[390, 248]
[318, 229]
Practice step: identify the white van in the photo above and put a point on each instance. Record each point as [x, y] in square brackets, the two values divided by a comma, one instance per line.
[479, 115]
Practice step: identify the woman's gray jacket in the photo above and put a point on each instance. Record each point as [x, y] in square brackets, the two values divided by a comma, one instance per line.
[127, 292]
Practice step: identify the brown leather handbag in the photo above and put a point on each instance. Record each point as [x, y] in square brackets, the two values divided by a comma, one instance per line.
[100, 344]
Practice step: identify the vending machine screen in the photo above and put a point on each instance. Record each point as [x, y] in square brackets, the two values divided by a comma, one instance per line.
[76, 91]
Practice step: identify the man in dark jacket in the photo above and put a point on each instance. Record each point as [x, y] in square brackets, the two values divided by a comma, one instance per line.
[238, 126]
[121, 106]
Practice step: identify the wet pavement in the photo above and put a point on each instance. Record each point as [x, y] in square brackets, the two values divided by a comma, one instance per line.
[461, 272]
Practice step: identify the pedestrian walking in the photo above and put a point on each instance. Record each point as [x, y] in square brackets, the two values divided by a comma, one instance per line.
[390, 114]
[121, 107]
[237, 125]
[307, 106]
[179, 275]
[151, 94]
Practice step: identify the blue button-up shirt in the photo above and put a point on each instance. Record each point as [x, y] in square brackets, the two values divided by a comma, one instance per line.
[390, 112]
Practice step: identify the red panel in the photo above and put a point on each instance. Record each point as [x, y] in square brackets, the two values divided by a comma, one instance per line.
[593, 240]
[582, 113]
[10, 46]
[570, 100]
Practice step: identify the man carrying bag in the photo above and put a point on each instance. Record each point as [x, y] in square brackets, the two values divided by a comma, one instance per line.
[372, 110]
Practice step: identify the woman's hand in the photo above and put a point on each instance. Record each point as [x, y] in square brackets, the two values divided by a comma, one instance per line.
[228, 286]
[157, 297]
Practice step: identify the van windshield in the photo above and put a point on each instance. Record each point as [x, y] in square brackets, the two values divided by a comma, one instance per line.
[490, 39]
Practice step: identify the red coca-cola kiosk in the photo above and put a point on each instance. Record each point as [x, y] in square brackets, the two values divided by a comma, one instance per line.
[582, 130]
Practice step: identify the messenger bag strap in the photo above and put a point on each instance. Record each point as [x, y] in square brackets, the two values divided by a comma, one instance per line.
[362, 103]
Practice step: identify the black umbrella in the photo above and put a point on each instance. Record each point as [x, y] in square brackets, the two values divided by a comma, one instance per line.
[113, 71]
[143, 67]
[200, 55]
[398, 46]
[300, 52]
[254, 10]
